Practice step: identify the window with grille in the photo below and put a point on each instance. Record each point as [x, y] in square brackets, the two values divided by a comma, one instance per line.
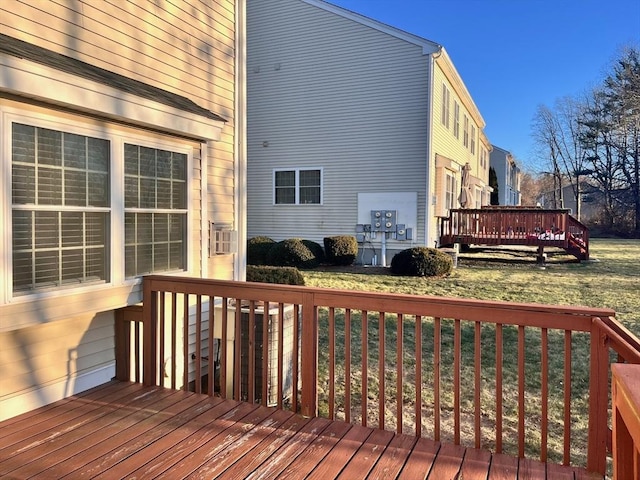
[72, 226]
[451, 188]
[297, 187]
[60, 208]
[155, 202]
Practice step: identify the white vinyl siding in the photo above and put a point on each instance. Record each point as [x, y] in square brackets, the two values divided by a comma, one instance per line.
[327, 92]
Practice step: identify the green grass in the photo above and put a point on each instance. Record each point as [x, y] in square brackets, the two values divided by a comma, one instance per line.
[611, 279]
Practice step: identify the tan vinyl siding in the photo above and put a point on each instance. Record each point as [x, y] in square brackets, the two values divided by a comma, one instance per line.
[327, 92]
[41, 357]
[185, 47]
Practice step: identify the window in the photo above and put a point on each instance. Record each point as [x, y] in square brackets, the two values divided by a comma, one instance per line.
[456, 119]
[473, 139]
[451, 188]
[60, 208]
[66, 199]
[295, 187]
[465, 140]
[445, 106]
[155, 202]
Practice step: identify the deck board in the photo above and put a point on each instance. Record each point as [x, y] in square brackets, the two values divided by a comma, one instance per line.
[125, 430]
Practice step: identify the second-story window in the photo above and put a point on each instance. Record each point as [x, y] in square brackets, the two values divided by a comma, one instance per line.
[445, 105]
[473, 139]
[465, 139]
[456, 119]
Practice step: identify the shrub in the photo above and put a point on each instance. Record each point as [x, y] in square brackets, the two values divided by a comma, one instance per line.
[282, 275]
[316, 249]
[291, 253]
[341, 250]
[257, 249]
[421, 262]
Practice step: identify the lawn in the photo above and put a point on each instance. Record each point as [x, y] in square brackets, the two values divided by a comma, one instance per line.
[611, 279]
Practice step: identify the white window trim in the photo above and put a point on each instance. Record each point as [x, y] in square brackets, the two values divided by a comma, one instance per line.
[118, 137]
[297, 186]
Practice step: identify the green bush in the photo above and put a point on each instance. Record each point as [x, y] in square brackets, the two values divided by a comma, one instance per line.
[421, 262]
[292, 253]
[341, 250]
[282, 275]
[257, 249]
[316, 249]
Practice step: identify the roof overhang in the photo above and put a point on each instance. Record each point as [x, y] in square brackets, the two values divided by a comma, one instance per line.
[44, 83]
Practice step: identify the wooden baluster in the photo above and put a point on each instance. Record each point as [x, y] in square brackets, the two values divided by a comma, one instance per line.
[347, 365]
[400, 373]
[499, 388]
[381, 379]
[332, 372]
[437, 345]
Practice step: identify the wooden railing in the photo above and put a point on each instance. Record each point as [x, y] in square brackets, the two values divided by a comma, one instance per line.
[515, 226]
[509, 377]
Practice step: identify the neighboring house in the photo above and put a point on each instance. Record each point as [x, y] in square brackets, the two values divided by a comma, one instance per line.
[347, 115]
[508, 174]
[591, 203]
[121, 127]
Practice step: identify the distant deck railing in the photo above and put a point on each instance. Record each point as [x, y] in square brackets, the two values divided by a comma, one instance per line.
[508, 377]
[516, 226]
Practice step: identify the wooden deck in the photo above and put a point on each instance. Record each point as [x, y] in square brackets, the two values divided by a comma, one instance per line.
[126, 430]
[516, 226]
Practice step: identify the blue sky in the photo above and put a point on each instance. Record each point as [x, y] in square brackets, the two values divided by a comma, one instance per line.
[514, 55]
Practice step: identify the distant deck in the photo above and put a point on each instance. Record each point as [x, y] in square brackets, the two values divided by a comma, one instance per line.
[126, 430]
[516, 226]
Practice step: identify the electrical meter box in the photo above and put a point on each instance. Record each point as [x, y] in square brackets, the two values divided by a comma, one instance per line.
[383, 220]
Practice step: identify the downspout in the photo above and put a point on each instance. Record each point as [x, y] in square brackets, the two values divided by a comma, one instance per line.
[240, 144]
[429, 207]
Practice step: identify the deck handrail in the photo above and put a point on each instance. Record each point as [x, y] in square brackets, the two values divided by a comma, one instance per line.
[454, 345]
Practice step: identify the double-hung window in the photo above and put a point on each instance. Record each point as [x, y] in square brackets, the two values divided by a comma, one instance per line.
[451, 188]
[456, 119]
[155, 203]
[445, 105]
[473, 139]
[60, 208]
[465, 138]
[94, 206]
[297, 186]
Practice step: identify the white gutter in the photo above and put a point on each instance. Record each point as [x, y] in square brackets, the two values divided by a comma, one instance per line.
[240, 144]
[429, 207]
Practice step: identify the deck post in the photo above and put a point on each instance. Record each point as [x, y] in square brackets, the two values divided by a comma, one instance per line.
[149, 333]
[540, 257]
[309, 357]
[598, 400]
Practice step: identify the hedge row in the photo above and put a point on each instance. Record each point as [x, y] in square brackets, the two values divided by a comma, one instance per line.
[299, 253]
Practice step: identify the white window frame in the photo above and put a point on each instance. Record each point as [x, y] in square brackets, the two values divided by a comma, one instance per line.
[473, 139]
[446, 95]
[116, 237]
[297, 185]
[450, 190]
[465, 137]
[456, 119]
